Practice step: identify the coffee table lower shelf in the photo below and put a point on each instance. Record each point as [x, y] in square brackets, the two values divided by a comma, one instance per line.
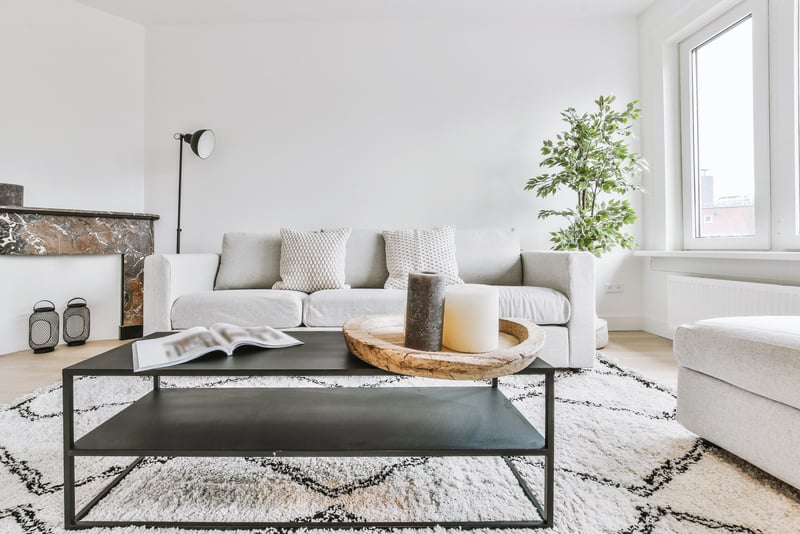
[313, 422]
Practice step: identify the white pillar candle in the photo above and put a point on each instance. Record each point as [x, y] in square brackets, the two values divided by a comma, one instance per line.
[471, 318]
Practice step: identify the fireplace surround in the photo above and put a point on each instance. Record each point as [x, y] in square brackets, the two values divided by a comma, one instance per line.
[46, 231]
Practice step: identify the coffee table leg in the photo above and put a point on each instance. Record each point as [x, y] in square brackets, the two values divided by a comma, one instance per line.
[69, 459]
[549, 443]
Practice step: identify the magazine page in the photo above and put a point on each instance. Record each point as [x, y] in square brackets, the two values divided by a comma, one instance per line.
[174, 349]
[233, 336]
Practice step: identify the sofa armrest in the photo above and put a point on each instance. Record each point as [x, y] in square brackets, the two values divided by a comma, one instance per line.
[170, 276]
[571, 273]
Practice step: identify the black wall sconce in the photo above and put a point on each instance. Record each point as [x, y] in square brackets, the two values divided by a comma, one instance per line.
[43, 327]
[202, 143]
[76, 322]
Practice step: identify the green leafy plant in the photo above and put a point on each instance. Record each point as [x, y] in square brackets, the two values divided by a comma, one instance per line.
[592, 158]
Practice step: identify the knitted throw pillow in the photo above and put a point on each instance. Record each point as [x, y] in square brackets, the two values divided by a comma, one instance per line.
[311, 261]
[420, 250]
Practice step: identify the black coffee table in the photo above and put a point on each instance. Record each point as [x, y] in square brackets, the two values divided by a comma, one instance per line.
[394, 421]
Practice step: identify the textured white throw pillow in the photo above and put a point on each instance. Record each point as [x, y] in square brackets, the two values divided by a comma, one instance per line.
[413, 250]
[312, 261]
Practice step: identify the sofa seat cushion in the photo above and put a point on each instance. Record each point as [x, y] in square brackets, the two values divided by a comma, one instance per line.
[334, 307]
[758, 354]
[541, 305]
[244, 307]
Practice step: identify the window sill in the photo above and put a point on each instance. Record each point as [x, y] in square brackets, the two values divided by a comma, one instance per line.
[777, 255]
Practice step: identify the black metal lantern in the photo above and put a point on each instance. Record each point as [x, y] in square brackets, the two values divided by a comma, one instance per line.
[76, 322]
[43, 327]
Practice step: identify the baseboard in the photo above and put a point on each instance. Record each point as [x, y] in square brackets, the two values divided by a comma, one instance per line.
[618, 323]
[657, 327]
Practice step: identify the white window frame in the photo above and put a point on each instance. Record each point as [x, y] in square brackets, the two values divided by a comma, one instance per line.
[758, 11]
[785, 105]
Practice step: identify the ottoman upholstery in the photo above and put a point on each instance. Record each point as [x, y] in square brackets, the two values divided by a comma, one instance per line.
[737, 387]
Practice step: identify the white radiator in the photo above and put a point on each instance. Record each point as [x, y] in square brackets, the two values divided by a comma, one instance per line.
[691, 299]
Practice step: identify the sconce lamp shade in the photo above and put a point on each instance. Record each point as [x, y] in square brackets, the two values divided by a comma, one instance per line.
[202, 142]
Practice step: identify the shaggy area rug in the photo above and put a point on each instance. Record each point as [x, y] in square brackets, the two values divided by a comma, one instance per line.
[623, 465]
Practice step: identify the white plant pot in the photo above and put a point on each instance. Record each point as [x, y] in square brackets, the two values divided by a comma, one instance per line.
[600, 333]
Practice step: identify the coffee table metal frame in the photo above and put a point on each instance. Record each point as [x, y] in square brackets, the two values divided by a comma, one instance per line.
[133, 432]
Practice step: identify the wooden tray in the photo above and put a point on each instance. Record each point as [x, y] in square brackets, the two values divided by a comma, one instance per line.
[378, 340]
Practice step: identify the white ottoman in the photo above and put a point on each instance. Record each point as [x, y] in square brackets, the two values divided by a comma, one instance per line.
[739, 387]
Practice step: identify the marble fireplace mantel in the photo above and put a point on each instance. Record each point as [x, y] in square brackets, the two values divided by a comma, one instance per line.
[44, 231]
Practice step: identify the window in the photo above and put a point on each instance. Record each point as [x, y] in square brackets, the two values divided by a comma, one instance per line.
[725, 132]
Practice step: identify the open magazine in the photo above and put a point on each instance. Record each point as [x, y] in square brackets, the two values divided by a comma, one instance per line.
[195, 342]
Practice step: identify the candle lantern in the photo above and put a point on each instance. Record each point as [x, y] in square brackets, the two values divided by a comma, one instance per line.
[76, 322]
[43, 327]
[11, 194]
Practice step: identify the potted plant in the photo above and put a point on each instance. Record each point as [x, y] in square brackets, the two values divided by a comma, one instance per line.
[592, 158]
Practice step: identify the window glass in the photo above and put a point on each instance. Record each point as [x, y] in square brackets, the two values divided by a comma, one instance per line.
[723, 155]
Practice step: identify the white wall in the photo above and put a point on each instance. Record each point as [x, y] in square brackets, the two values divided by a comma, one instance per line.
[72, 117]
[376, 124]
[72, 105]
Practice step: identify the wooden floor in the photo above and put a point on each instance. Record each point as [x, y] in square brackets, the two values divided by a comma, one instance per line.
[23, 372]
[650, 355]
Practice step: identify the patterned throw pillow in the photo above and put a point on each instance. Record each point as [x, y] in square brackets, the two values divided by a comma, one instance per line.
[311, 261]
[420, 250]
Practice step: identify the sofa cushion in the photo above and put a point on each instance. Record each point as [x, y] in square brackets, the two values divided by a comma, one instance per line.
[249, 261]
[758, 354]
[243, 307]
[489, 256]
[365, 264]
[541, 305]
[410, 250]
[312, 261]
[333, 307]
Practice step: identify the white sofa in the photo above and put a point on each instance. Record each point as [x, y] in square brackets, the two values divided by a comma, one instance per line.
[738, 388]
[554, 289]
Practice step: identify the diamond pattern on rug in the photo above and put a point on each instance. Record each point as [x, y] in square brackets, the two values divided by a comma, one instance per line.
[22, 519]
[622, 465]
[236, 488]
[299, 473]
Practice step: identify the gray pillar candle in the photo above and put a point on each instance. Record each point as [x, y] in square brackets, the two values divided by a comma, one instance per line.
[425, 311]
[11, 195]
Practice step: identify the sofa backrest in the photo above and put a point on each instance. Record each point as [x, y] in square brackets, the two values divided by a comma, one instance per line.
[365, 262]
[485, 256]
[489, 256]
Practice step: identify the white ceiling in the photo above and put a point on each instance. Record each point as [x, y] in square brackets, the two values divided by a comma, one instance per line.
[202, 12]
